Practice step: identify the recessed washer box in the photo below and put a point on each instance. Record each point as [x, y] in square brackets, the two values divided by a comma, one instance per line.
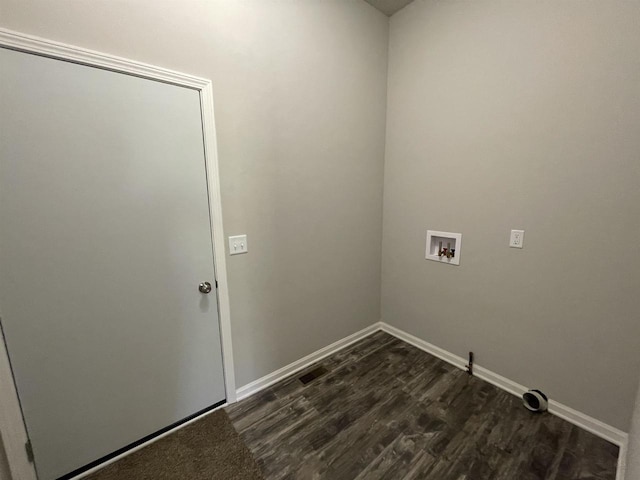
[444, 247]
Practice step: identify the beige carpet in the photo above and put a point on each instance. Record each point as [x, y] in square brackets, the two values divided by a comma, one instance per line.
[207, 449]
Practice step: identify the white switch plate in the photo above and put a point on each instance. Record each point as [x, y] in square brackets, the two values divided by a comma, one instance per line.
[517, 239]
[238, 244]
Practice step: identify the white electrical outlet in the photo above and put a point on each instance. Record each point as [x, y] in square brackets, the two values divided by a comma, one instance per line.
[517, 239]
[238, 244]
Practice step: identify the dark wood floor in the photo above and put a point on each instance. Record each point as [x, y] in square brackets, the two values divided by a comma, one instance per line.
[387, 410]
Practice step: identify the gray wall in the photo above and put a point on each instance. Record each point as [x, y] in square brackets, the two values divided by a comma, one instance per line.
[524, 115]
[300, 91]
[5, 474]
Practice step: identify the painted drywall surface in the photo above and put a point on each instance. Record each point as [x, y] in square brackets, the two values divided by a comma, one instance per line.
[520, 115]
[299, 91]
[5, 474]
[633, 447]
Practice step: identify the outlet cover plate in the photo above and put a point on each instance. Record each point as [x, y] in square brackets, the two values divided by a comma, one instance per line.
[516, 240]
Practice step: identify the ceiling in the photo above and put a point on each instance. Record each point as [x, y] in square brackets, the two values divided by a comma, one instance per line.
[389, 7]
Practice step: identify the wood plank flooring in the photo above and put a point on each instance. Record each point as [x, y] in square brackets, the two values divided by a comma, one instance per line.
[387, 410]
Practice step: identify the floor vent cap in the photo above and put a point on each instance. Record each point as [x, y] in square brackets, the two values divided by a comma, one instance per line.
[311, 375]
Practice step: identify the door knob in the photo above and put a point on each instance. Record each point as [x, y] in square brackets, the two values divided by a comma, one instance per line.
[204, 287]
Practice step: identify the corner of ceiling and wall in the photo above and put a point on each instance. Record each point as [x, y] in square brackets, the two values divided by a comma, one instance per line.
[389, 7]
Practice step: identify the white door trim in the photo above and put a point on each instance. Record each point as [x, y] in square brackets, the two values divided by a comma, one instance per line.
[12, 427]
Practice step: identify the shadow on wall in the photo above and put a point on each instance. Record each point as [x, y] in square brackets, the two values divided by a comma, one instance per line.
[4, 464]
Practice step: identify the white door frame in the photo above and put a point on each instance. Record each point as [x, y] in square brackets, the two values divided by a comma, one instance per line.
[12, 428]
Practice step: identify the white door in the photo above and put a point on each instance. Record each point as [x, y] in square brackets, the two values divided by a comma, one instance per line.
[104, 239]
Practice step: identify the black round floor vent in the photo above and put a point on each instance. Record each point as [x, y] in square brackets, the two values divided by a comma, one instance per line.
[535, 400]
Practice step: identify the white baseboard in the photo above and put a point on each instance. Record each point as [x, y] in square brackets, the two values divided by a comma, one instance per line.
[442, 354]
[580, 419]
[622, 461]
[288, 370]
